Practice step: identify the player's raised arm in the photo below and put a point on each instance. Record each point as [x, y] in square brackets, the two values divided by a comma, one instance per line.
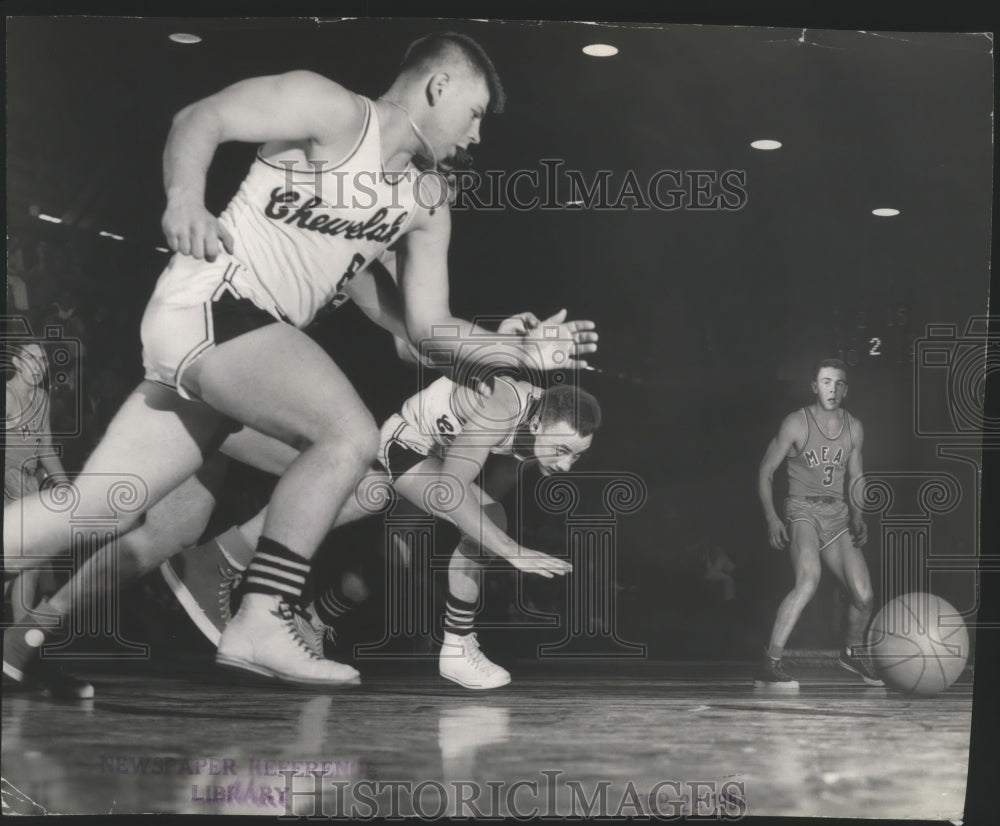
[855, 483]
[296, 106]
[790, 433]
[430, 325]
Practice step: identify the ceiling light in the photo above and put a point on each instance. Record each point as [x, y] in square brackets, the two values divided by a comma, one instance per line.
[161, 249]
[600, 50]
[766, 144]
[104, 234]
[50, 218]
[885, 212]
[182, 37]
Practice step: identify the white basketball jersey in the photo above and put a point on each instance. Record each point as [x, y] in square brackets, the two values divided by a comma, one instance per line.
[430, 420]
[301, 230]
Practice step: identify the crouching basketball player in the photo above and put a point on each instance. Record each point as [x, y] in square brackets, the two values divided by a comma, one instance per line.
[822, 444]
[439, 441]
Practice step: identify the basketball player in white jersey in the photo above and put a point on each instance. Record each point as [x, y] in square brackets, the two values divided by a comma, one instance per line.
[333, 185]
[202, 577]
[432, 450]
[822, 446]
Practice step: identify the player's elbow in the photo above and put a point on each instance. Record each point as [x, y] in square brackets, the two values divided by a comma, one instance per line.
[405, 350]
[201, 117]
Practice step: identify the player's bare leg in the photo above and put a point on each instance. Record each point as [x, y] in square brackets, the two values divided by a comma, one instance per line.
[154, 442]
[175, 522]
[461, 659]
[847, 563]
[312, 407]
[804, 552]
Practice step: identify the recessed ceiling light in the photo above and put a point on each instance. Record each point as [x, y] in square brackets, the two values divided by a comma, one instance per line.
[766, 144]
[885, 212]
[161, 249]
[50, 218]
[104, 234]
[600, 50]
[183, 37]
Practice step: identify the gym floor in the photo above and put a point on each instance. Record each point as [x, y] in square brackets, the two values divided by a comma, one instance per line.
[650, 734]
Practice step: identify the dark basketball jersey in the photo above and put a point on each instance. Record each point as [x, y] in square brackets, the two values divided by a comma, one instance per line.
[818, 468]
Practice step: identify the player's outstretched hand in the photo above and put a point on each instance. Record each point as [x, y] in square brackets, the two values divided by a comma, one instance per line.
[519, 324]
[777, 534]
[562, 344]
[191, 229]
[535, 562]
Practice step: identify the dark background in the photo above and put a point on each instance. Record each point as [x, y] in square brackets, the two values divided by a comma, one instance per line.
[710, 319]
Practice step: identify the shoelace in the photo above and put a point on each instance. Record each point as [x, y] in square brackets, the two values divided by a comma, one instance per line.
[231, 580]
[474, 654]
[288, 611]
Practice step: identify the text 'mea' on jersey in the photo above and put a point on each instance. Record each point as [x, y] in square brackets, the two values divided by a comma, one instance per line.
[818, 468]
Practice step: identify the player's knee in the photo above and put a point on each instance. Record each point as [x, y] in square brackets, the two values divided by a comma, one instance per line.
[354, 446]
[806, 584]
[363, 441]
[863, 599]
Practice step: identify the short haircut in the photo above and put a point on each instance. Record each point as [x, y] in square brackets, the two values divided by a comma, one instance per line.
[422, 54]
[572, 405]
[836, 364]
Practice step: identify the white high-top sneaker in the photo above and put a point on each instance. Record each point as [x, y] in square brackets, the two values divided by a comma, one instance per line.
[264, 638]
[462, 662]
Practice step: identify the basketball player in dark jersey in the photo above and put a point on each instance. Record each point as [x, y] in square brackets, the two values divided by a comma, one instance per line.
[822, 446]
[222, 335]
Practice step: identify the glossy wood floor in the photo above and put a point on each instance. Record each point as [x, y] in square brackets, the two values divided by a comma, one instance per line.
[208, 744]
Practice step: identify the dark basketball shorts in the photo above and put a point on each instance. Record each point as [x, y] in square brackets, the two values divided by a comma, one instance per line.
[400, 447]
[828, 515]
[174, 336]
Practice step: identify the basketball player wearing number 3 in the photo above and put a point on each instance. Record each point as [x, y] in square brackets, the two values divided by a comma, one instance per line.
[822, 444]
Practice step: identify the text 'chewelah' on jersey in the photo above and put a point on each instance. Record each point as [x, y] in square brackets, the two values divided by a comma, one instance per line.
[819, 468]
[302, 229]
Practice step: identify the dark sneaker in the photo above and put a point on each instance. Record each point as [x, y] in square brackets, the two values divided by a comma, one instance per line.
[23, 663]
[853, 659]
[203, 580]
[771, 674]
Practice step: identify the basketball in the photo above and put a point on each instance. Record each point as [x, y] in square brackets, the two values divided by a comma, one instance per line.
[918, 644]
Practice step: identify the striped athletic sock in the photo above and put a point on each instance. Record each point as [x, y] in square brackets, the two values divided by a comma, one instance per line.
[276, 571]
[458, 616]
